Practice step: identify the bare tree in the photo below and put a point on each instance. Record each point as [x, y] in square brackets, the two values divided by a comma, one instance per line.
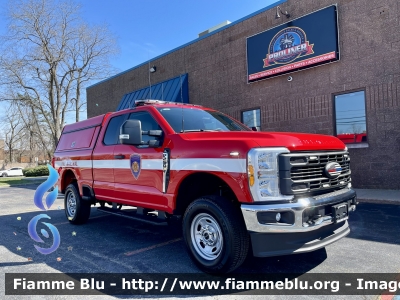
[88, 58]
[23, 134]
[355, 128]
[49, 56]
[35, 129]
[13, 132]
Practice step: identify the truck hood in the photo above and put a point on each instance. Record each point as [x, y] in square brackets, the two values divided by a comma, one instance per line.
[290, 140]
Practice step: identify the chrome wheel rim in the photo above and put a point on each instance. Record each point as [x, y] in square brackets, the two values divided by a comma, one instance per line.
[206, 236]
[71, 204]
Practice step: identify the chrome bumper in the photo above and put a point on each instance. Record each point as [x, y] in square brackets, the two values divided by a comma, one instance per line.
[297, 208]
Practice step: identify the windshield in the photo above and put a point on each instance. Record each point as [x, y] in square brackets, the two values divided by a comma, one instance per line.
[195, 119]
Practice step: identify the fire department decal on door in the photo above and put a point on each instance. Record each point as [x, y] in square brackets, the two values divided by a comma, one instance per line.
[136, 165]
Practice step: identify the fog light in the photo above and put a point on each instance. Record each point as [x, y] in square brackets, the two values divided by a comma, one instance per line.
[283, 218]
[278, 217]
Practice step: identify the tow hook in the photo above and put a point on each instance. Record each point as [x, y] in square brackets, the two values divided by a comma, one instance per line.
[317, 220]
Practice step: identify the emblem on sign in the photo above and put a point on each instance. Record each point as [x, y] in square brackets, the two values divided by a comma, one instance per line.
[136, 165]
[288, 45]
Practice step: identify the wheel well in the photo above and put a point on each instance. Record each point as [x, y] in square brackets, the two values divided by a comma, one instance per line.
[201, 184]
[87, 191]
[68, 178]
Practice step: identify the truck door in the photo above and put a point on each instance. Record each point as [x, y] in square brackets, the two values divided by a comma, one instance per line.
[139, 181]
[103, 159]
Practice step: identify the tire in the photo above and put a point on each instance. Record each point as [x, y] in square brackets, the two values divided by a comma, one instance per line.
[215, 234]
[4, 175]
[76, 209]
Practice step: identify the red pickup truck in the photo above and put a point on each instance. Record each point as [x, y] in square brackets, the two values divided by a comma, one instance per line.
[281, 193]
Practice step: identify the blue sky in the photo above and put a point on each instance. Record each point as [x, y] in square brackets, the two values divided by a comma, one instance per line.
[147, 28]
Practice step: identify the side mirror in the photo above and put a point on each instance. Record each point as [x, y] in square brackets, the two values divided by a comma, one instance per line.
[154, 144]
[254, 128]
[157, 133]
[131, 133]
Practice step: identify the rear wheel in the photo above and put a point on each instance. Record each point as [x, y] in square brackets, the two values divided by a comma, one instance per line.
[215, 234]
[76, 209]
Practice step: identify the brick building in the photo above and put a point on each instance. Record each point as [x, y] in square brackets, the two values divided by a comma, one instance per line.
[356, 98]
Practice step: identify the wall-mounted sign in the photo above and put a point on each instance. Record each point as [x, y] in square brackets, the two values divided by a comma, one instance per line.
[302, 43]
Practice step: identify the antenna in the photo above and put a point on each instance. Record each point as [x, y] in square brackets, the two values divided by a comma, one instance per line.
[131, 102]
[180, 79]
[162, 91]
[148, 56]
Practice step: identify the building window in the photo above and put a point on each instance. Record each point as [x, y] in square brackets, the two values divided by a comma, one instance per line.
[252, 118]
[350, 117]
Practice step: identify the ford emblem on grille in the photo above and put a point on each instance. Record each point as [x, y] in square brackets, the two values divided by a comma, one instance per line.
[333, 170]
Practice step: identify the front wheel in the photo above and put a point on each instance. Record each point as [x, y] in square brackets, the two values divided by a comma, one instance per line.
[76, 209]
[215, 234]
[4, 175]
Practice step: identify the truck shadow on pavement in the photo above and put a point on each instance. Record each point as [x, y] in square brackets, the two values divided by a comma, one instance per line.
[109, 244]
[113, 244]
[376, 222]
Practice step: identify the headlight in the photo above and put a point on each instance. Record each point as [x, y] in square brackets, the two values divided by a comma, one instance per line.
[263, 173]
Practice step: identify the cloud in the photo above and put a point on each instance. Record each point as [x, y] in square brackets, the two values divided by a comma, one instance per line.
[146, 47]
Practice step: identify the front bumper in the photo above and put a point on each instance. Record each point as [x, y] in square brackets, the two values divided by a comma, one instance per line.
[309, 227]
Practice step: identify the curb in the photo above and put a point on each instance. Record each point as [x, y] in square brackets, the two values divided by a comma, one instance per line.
[21, 184]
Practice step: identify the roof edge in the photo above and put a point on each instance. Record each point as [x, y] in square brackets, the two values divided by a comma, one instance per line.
[192, 42]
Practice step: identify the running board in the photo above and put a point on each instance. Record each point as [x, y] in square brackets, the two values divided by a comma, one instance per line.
[147, 218]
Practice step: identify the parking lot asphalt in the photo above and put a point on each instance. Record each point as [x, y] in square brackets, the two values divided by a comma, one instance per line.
[118, 245]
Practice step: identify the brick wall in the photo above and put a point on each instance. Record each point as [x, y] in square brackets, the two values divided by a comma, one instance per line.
[370, 61]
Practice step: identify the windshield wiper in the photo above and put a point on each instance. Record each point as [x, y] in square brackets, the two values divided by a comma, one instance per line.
[193, 130]
[199, 130]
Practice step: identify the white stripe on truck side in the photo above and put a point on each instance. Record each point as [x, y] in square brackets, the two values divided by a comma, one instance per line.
[232, 165]
[209, 164]
[152, 164]
[111, 164]
[74, 163]
[147, 164]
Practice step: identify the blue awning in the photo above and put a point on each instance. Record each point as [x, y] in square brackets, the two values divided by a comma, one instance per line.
[169, 90]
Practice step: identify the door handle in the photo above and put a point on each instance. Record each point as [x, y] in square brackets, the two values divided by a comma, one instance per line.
[119, 156]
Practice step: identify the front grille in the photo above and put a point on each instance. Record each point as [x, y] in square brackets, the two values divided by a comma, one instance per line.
[305, 172]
